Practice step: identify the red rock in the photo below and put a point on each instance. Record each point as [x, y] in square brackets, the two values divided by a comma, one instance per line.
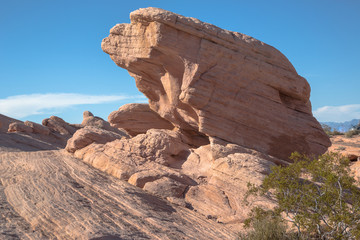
[19, 127]
[137, 118]
[216, 82]
[37, 128]
[87, 135]
[58, 125]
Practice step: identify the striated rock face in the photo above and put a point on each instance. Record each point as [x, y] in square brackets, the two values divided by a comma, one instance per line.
[16, 135]
[211, 179]
[219, 83]
[51, 195]
[137, 118]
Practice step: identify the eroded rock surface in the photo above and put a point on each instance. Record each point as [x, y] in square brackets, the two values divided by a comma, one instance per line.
[211, 179]
[51, 195]
[137, 118]
[16, 135]
[90, 120]
[87, 135]
[216, 82]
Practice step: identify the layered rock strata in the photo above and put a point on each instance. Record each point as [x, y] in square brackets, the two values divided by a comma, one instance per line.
[51, 195]
[216, 82]
[211, 179]
[137, 118]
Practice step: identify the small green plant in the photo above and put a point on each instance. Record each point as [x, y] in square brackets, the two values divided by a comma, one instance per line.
[318, 196]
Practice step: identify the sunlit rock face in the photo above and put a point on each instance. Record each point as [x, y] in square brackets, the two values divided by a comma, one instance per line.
[217, 83]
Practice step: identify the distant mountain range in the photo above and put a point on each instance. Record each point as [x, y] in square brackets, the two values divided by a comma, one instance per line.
[342, 127]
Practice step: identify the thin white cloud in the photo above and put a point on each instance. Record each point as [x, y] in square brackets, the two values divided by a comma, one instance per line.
[20, 106]
[337, 113]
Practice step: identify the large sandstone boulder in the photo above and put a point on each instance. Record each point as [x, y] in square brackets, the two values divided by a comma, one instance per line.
[89, 134]
[216, 82]
[137, 118]
[58, 125]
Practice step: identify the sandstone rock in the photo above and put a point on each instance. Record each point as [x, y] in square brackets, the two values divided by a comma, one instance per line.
[222, 183]
[19, 127]
[90, 120]
[28, 136]
[137, 118]
[87, 114]
[162, 164]
[37, 128]
[58, 125]
[51, 195]
[124, 157]
[140, 179]
[87, 135]
[216, 82]
[5, 122]
[166, 187]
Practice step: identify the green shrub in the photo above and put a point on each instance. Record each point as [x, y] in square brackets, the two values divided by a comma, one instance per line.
[318, 196]
[266, 225]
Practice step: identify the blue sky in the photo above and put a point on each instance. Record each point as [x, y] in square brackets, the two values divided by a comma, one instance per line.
[51, 62]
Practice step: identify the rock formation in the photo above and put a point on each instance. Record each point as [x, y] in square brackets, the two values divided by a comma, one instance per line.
[87, 135]
[137, 118]
[16, 135]
[223, 109]
[90, 120]
[51, 195]
[216, 82]
[56, 124]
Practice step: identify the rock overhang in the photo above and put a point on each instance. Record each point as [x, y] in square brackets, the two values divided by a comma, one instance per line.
[217, 82]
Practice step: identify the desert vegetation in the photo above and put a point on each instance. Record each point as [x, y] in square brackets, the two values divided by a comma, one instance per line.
[317, 199]
[355, 130]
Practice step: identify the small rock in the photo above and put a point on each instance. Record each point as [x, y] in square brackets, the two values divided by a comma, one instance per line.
[19, 127]
[37, 128]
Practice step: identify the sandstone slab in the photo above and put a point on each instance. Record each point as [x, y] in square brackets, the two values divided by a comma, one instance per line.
[137, 118]
[216, 82]
[51, 195]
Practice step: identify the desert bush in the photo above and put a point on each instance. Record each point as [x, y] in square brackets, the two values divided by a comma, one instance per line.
[318, 197]
[329, 132]
[266, 225]
[352, 133]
